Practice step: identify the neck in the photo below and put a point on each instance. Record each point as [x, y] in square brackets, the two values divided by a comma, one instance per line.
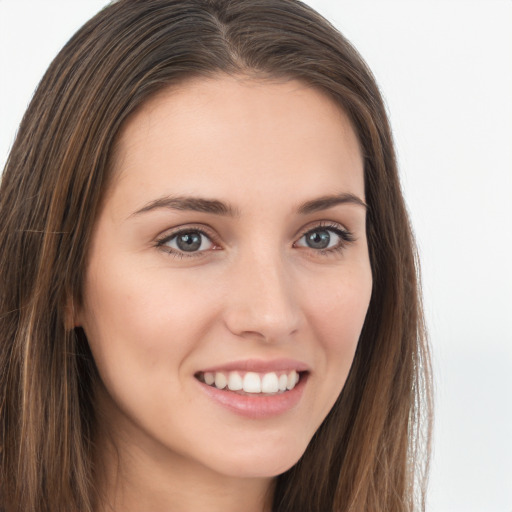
[142, 476]
[183, 491]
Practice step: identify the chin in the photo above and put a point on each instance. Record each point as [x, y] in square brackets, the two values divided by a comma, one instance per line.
[261, 461]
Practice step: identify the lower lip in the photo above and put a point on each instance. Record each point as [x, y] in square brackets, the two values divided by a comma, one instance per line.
[257, 406]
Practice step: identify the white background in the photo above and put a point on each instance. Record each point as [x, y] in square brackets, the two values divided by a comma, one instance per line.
[445, 69]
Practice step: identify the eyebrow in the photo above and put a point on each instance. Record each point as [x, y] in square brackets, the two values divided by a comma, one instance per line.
[216, 207]
[326, 202]
[196, 204]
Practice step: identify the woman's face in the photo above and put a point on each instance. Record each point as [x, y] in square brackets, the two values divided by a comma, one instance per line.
[230, 251]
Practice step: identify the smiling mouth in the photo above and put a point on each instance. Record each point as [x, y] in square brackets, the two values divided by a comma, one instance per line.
[251, 383]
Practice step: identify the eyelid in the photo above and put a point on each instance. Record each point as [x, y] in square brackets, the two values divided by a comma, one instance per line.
[346, 236]
[325, 224]
[168, 235]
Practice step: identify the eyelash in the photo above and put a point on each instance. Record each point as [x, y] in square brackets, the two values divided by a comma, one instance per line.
[346, 237]
[160, 243]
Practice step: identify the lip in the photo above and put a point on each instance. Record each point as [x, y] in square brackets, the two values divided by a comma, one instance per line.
[259, 366]
[256, 406]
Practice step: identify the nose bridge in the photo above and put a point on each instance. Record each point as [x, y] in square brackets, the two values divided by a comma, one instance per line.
[262, 301]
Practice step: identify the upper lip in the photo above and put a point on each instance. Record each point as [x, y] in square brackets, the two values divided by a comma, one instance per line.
[259, 366]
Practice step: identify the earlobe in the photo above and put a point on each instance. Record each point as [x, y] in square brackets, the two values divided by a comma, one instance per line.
[72, 317]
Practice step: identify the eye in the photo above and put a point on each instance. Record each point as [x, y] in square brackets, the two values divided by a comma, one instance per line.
[186, 241]
[325, 238]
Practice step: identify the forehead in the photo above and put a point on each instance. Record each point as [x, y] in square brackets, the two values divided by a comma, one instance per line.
[205, 133]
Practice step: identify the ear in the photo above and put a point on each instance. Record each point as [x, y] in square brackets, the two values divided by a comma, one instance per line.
[71, 315]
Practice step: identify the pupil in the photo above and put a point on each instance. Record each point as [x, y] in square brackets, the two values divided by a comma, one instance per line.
[318, 239]
[189, 241]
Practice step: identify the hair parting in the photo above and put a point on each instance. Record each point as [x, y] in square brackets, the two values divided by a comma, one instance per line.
[371, 452]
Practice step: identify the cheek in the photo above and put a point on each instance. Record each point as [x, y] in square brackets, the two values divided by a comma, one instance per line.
[141, 331]
[136, 321]
[337, 312]
[338, 308]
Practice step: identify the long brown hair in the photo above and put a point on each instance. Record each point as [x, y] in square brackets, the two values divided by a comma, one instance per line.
[371, 452]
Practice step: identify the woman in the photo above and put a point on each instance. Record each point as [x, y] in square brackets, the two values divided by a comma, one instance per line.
[209, 293]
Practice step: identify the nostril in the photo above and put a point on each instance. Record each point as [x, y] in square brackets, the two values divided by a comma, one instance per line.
[263, 309]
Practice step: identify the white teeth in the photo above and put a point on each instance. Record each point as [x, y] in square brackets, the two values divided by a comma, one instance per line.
[252, 383]
[220, 380]
[269, 383]
[235, 381]
[283, 382]
[292, 380]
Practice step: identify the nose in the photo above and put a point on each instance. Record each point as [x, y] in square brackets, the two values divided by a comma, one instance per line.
[261, 303]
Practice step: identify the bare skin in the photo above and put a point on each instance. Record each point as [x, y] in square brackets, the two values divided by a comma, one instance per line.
[233, 234]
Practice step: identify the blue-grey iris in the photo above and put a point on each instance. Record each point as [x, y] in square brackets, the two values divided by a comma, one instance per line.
[318, 239]
[189, 241]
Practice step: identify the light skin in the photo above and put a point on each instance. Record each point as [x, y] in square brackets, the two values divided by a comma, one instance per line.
[275, 265]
